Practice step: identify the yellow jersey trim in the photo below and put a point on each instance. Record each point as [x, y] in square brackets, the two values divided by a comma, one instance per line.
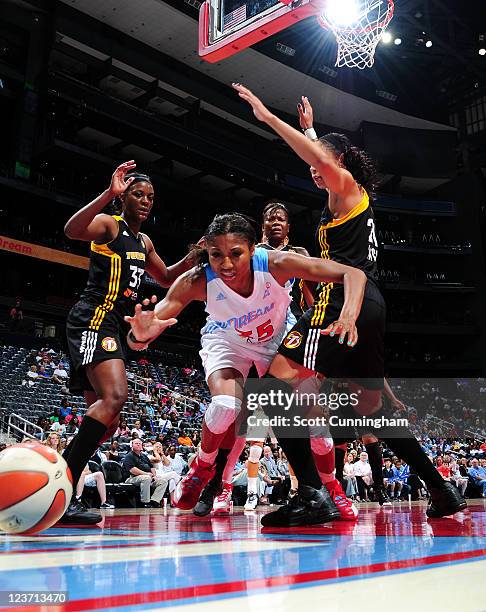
[113, 285]
[354, 212]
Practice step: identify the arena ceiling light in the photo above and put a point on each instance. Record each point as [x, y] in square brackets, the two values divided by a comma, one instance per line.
[386, 38]
[342, 12]
[428, 44]
[398, 41]
[482, 51]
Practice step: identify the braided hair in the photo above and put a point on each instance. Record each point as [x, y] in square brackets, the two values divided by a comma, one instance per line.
[354, 159]
[228, 223]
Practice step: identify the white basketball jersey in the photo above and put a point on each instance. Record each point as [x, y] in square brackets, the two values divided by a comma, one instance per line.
[258, 320]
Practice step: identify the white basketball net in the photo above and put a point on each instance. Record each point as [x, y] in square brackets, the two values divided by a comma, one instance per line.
[357, 42]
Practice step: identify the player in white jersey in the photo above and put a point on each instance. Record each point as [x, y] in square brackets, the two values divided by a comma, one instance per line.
[246, 295]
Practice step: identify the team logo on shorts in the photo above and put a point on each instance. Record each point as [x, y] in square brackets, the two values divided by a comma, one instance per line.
[109, 344]
[293, 340]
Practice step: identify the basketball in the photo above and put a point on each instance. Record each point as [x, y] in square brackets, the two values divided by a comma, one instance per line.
[36, 487]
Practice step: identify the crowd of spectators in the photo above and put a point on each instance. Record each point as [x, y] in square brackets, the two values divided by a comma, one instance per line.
[160, 427]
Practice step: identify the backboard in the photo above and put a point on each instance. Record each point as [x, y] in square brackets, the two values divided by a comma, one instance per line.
[229, 26]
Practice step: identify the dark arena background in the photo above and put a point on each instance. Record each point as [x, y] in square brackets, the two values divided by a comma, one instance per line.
[86, 85]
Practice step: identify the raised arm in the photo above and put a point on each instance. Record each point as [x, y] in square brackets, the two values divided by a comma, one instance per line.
[285, 265]
[336, 177]
[164, 275]
[146, 325]
[87, 224]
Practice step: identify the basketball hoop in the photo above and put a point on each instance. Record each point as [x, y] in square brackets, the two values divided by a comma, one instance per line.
[357, 42]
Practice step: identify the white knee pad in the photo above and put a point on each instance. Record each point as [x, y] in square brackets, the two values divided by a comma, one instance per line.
[255, 453]
[321, 446]
[222, 413]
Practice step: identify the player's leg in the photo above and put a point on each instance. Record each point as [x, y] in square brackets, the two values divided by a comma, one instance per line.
[375, 459]
[226, 387]
[254, 456]
[108, 379]
[223, 502]
[313, 504]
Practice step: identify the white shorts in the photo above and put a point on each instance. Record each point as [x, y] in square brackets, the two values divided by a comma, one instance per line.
[217, 353]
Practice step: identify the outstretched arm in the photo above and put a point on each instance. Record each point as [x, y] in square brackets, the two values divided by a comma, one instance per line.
[87, 224]
[146, 325]
[337, 178]
[284, 265]
[165, 275]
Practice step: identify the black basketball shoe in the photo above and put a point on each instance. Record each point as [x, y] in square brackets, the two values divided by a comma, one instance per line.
[445, 501]
[310, 507]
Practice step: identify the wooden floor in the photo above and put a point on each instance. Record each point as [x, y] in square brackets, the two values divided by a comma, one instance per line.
[391, 559]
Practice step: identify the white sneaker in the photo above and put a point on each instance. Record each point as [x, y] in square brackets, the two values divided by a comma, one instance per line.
[223, 503]
[106, 506]
[251, 501]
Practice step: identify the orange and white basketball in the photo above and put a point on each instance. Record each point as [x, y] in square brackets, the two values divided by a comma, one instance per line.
[35, 488]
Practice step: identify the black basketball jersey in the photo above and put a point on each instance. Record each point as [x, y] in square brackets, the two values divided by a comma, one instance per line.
[115, 273]
[298, 304]
[350, 240]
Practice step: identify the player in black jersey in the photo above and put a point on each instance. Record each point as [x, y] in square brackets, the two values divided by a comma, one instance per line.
[96, 330]
[346, 234]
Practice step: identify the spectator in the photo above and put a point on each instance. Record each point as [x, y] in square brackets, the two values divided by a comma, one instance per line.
[123, 430]
[44, 374]
[184, 439]
[390, 477]
[142, 473]
[93, 479]
[459, 480]
[478, 474]
[31, 376]
[138, 429]
[364, 480]
[59, 426]
[65, 407]
[162, 464]
[60, 376]
[112, 452]
[16, 315]
[72, 426]
[53, 441]
[444, 468]
[74, 415]
[349, 478]
[177, 462]
[402, 478]
[272, 478]
[164, 424]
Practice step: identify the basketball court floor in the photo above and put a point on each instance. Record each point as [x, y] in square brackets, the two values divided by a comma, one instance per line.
[392, 558]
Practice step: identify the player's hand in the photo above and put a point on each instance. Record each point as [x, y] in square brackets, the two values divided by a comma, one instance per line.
[260, 111]
[343, 327]
[396, 403]
[146, 326]
[306, 114]
[118, 182]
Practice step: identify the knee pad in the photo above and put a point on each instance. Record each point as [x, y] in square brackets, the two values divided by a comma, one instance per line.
[255, 453]
[222, 413]
[321, 446]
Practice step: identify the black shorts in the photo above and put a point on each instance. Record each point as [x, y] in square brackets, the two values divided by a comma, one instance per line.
[364, 363]
[90, 342]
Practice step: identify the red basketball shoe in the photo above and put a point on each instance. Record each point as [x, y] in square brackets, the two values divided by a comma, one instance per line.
[189, 488]
[347, 510]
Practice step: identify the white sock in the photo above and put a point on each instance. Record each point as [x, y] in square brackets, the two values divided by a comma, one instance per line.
[252, 484]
